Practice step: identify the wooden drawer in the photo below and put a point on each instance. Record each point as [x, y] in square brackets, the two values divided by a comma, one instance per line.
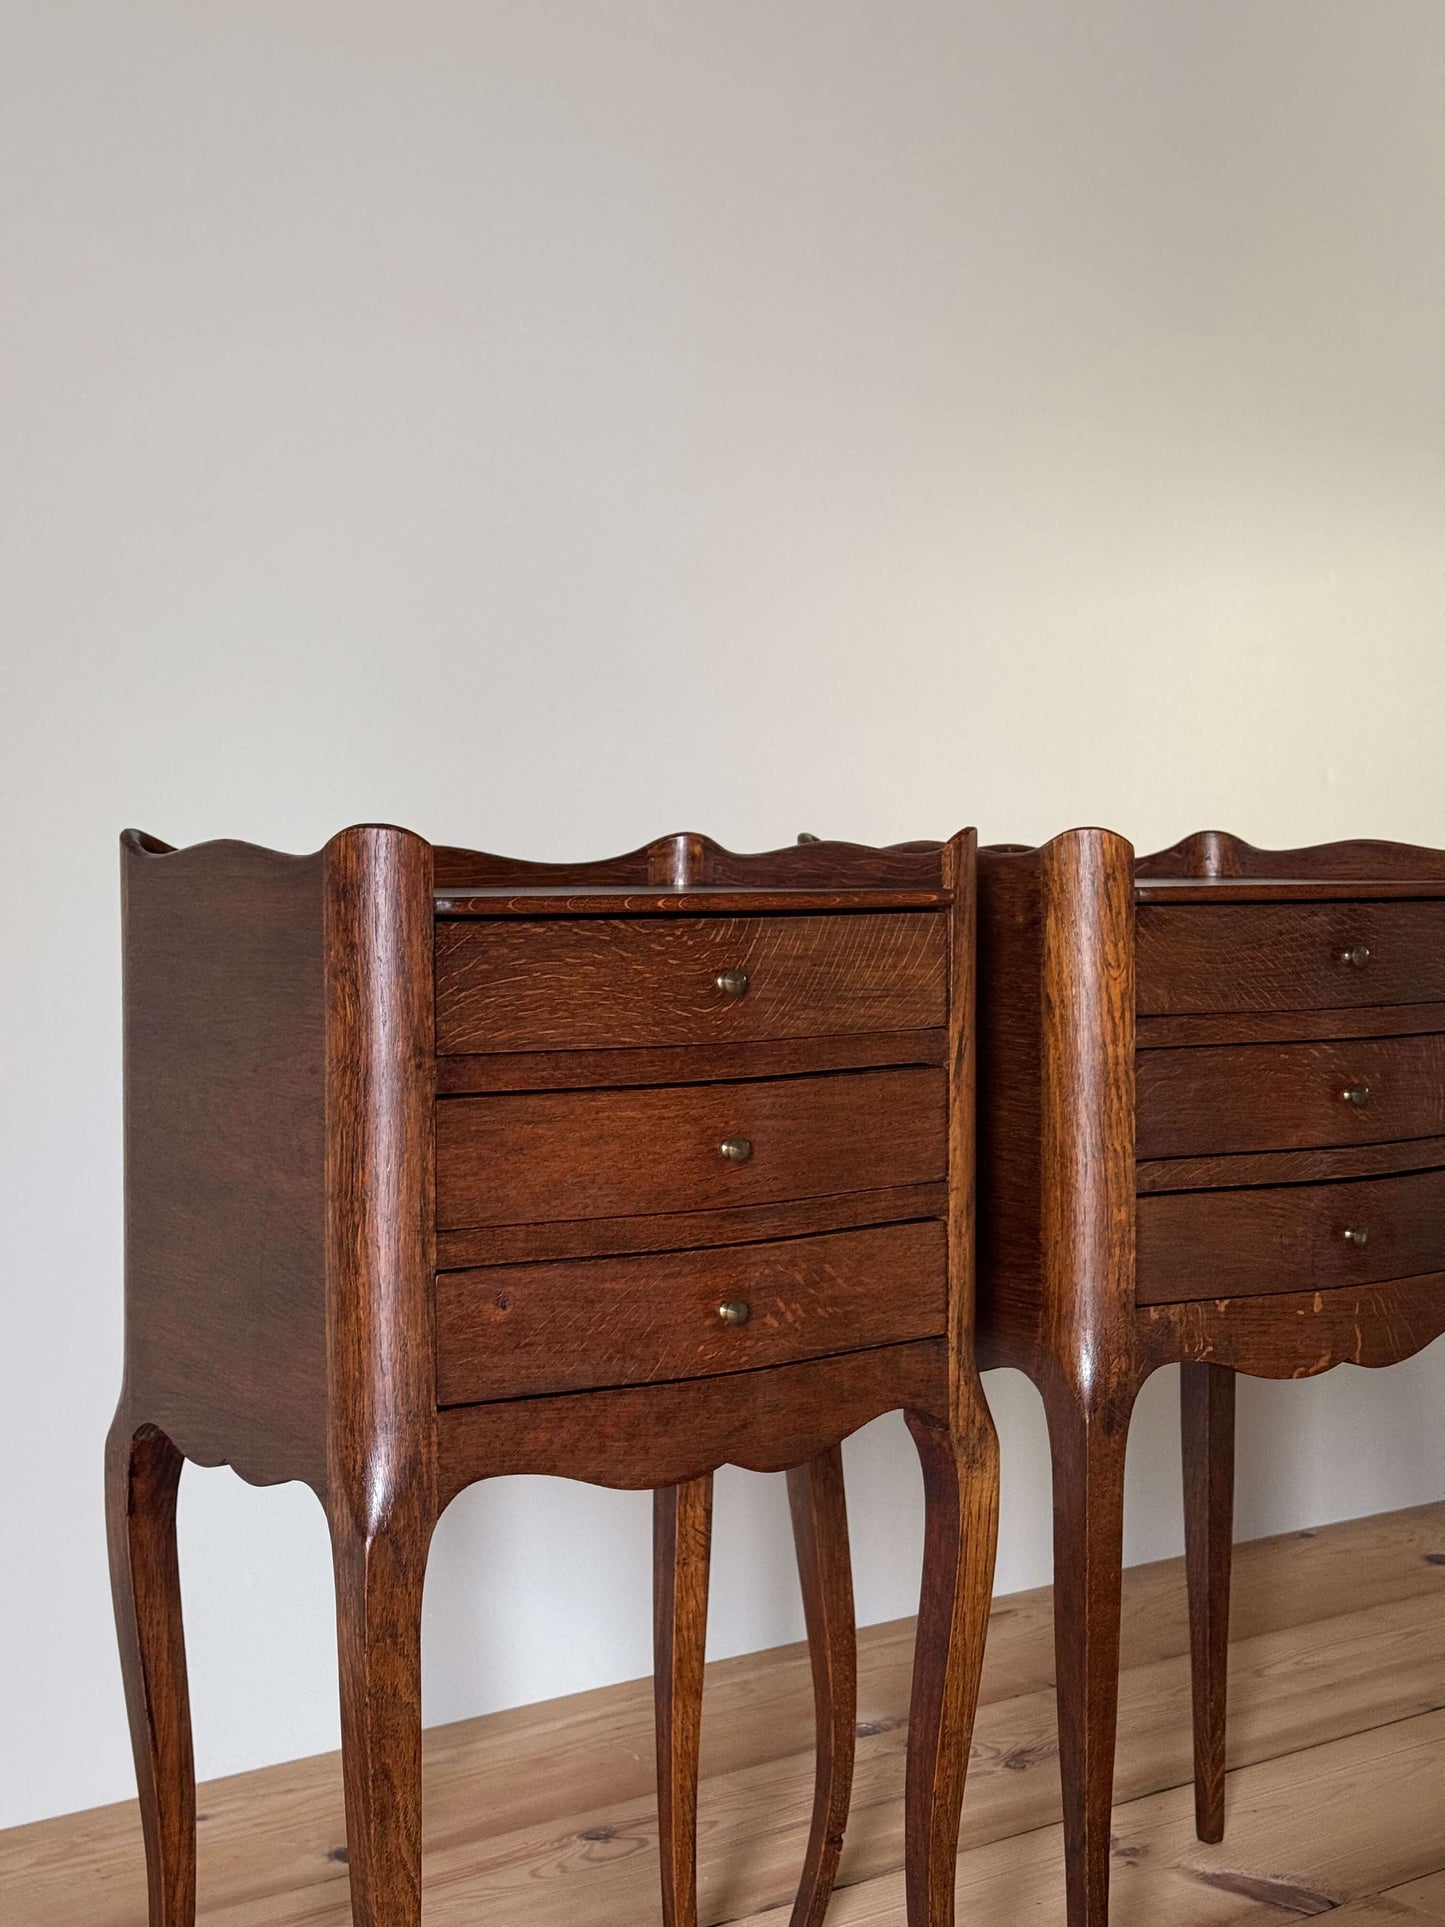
[1282, 1097]
[1289, 1238]
[535, 1157]
[512, 1330]
[1252, 956]
[598, 983]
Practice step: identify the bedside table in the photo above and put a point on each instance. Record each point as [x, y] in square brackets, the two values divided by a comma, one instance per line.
[1212, 1131]
[441, 1167]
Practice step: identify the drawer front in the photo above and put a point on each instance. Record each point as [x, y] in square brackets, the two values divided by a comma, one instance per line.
[1289, 1238]
[599, 983]
[514, 1330]
[1301, 956]
[535, 1158]
[1284, 1097]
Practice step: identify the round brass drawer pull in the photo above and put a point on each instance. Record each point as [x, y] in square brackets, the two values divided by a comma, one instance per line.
[737, 1150]
[735, 1311]
[1356, 1094]
[1358, 955]
[733, 983]
[1356, 1234]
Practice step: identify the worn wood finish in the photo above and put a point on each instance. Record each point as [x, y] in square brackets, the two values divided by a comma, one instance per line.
[682, 1554]
[1206, 1403]
[639, 982]
[820, 1534]
[1225, 1099]
[687, 1230]
[513, 1330]
[1160, 1041]
[1288, 956]
[607, 1154]
[1291, 1238]
[689, 1063]
[320, 1247]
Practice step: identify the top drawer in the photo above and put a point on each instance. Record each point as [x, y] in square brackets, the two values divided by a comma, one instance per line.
[1298, 956]
[599, 983]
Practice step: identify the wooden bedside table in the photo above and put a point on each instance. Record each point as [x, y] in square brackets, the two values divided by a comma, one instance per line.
[1212, 1130]
[441, 1167]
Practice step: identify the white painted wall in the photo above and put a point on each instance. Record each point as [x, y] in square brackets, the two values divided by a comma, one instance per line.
[548, 425]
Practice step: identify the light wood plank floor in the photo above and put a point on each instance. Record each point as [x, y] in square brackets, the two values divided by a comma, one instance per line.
[544, 1816]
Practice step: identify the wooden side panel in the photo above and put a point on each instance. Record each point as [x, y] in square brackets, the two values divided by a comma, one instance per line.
[225, 1151]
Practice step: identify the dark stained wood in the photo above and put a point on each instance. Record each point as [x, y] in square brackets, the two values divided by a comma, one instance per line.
[638, 1437]
[682, 1554]
[1279, 1097]
[1290, 1026]
[287, 1281]
[687, 1230]
[689, 1064]
[142, 1473]
[1206, 1404]
[575, 1154]
[1244, 1001]
[1290, 1167]
[1292, 1238]
[820, 1533]
[1288, 956]
[512, 1330]
[1301, 1334]
[224, 1015]
[638, 982]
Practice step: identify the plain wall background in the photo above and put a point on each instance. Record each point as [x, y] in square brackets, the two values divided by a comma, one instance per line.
[549, 425]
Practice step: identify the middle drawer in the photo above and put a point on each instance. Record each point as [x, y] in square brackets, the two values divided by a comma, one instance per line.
[513, 1330]
[1216, 1099]
[534, 1158]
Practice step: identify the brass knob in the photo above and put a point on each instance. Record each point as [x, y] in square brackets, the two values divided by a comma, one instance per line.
[1356, 1234]
[735, 1311]
[1356, 1094]
[1358, 955]
[732, 983]
[737, 1150]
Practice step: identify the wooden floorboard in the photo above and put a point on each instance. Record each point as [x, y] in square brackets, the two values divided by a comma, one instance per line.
[544, 1816]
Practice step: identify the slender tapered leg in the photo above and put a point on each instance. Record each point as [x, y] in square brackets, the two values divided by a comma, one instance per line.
[960, 1538]
[682, 1551]
[142, 1473]
[1088, 1463]
[1206, 1406]
[820, 1533]
[379, 1580]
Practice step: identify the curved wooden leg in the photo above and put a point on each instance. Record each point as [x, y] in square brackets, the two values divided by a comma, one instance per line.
[681, 1555]
[380, 1576]
[960, 1484]
[1206, 1405]
[1088, 1460]
[142, 1473]
[820, 1533]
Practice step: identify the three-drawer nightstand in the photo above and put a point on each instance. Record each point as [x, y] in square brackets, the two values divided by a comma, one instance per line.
[441, 1167]
[1212, 1131]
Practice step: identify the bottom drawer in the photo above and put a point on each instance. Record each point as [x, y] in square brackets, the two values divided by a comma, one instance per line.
[512, 1330]
[1289, 1238]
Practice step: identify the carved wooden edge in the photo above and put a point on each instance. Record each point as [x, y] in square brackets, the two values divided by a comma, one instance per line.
[689, 860]
[380, 1187]
[1218, 854]
[1373, 1325]
[1086, 1049]
[960, 874]
[637, 1437]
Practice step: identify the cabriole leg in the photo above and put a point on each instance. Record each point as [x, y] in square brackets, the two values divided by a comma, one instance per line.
[960, 1484]
[142, 1473]
[1206, 1404]
[682, 1552]
[820, 1533]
